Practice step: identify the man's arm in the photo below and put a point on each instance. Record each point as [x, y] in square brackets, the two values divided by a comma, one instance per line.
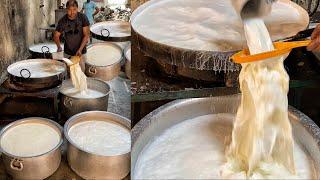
[85, 39]
[56, 38]
[96, 12]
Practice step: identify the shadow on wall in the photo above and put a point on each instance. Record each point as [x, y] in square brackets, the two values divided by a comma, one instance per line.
[20, 23]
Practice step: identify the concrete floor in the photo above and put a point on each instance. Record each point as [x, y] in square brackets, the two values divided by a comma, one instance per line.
[120, 96]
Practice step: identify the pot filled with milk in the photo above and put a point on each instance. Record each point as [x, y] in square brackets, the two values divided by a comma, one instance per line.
[74, 101]
[99, 145]
[31, 148]
[103, 61]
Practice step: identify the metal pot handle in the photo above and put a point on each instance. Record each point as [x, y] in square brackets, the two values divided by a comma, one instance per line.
[104, 29]
[16, 164]
[92, 70]
[27, 71]
[43, 49]
[67, 102]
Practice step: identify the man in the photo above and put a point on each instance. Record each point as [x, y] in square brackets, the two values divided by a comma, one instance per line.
[75, 28]
[90, 9]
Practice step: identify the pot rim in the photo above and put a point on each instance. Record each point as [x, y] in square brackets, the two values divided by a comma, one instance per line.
[76, 116]
[26, 120]
[111, 44]
[125, 53]
[95, 79]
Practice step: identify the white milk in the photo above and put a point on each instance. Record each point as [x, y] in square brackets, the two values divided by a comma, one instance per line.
[195, 149]
[101, 138]
[211, 25]
[87, 94]
[30, 139]
[103, 55]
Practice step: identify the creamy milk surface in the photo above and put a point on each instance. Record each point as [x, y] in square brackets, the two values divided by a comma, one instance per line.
[211, 25]
[87, 94]
[120, 29]
[51, 47]
[103, 55]
[30, 139]
[36, 70]
[195, 149]
[101, 137]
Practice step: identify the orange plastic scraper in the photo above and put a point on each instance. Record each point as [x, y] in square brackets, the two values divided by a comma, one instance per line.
[281, 48]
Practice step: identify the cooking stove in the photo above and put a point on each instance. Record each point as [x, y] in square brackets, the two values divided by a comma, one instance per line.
[16, 103]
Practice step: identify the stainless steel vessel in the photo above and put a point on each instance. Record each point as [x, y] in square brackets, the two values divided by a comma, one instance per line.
[115, 31]
[70, 106]
[305, 131]
[34, 167]
[37, 74]
[197, 58]
[43, 50]
[92, 166]
[107, 72]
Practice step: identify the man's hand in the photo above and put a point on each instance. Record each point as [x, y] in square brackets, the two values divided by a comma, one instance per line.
[315, 40]
[59, 49]
[79, 53]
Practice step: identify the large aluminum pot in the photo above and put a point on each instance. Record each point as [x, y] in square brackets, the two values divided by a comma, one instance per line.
[305, 131]
[92, 166]
[70, 106]
[104, 72]
[114, 31]
[37, 74]
[43, 50]
[34, 167]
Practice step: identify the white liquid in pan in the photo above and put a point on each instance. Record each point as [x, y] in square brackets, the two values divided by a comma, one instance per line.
[101, 137]
[116, 29]
[210, 24]
[40, 47]
[195, 149]
[36, 69]
[30, 139]
[103, 55]
[87, 94]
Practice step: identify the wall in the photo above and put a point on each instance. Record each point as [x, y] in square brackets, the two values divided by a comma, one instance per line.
[20, 23]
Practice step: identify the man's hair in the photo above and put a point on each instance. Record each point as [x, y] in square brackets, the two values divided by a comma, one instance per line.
[72, 3]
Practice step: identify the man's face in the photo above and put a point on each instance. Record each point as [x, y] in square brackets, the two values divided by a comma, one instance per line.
[72, 12]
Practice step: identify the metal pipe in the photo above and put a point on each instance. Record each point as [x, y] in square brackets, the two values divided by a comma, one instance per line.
[252, 8]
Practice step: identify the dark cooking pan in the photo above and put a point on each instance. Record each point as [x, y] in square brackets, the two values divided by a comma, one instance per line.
[115, 31]
[36, 74]
[43, 50]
